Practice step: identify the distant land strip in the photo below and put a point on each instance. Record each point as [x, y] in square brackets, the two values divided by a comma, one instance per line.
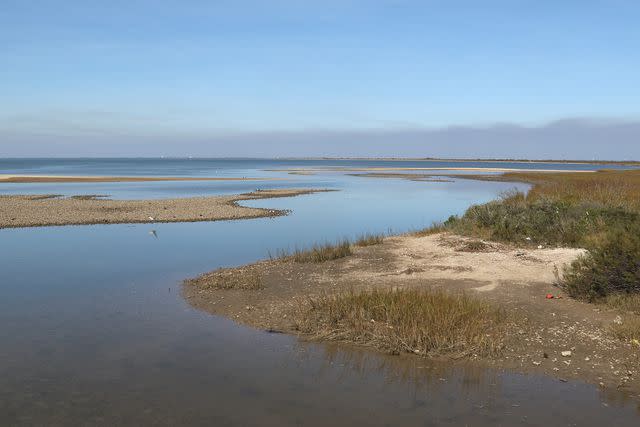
[379, 169]
[72, 178]
[497, 160]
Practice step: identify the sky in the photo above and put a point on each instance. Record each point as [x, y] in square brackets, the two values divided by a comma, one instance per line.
[512, 78]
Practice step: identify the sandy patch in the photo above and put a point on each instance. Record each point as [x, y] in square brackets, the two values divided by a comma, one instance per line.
[44, 210]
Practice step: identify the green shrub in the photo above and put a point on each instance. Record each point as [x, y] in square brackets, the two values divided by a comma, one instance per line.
[613, 267]
[518, 219]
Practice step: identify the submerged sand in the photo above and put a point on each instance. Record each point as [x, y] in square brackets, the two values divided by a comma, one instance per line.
[47, 210]
[516, 279]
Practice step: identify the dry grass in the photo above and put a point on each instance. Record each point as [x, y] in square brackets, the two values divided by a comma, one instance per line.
[610, 188]
[473, 246]
[228, 279]
[629, 307]
[628, 330]
[369, 239]
[324, 252]
[422, 322]
[436, 227]
[626, 303]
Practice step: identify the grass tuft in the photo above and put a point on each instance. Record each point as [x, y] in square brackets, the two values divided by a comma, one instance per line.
[624, 302]
[473, 246]
[415, 321]
[322, 253]
[628, 329]
[436, 227]
[369, 239]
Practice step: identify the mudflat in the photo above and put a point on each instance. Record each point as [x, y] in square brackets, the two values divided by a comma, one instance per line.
[557, 336]
[48, 210]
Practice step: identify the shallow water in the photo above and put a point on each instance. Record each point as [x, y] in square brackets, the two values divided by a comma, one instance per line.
[94, 330]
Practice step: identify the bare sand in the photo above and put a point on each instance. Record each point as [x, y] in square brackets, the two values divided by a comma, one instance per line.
[47, 210]
[90, 178]
[509, 277]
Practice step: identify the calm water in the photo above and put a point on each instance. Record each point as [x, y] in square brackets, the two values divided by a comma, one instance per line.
[94, 330]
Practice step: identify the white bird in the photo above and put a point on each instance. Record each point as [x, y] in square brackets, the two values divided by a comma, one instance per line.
[151, 218]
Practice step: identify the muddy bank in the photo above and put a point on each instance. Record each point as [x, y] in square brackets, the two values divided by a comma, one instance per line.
[71, 178]
[559, 337]
[47, 210]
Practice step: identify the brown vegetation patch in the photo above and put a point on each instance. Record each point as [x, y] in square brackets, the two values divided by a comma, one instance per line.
[369, 239]
[428, 323]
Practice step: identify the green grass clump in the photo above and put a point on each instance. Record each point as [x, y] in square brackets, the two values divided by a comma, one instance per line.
[415, 321]
[322, 253]
[369, 239]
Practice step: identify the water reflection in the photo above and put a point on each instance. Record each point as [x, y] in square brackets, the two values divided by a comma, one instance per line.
[444, 393]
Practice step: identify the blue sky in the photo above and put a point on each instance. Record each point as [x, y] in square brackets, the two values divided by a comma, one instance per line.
[186, 77]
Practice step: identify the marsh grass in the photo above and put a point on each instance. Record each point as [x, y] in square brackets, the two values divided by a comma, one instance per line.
[369, 239]
[327, 251]
[323, 252]
[423, 322]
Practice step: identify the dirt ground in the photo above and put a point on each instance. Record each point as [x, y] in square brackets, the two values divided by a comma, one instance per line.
[44, 210]
[518, 280]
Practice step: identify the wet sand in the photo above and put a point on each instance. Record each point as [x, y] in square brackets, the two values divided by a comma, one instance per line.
[73, 178]
[48, 210]
[513, 278]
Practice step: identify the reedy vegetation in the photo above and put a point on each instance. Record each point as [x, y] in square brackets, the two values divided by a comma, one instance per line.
[329, 251]
[416, 321]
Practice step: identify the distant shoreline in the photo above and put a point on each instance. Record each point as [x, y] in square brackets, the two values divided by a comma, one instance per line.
[18, 178]
[380, 169]
[398, 159]
[435, 159]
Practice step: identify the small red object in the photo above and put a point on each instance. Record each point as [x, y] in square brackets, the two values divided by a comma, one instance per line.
[549, 296]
